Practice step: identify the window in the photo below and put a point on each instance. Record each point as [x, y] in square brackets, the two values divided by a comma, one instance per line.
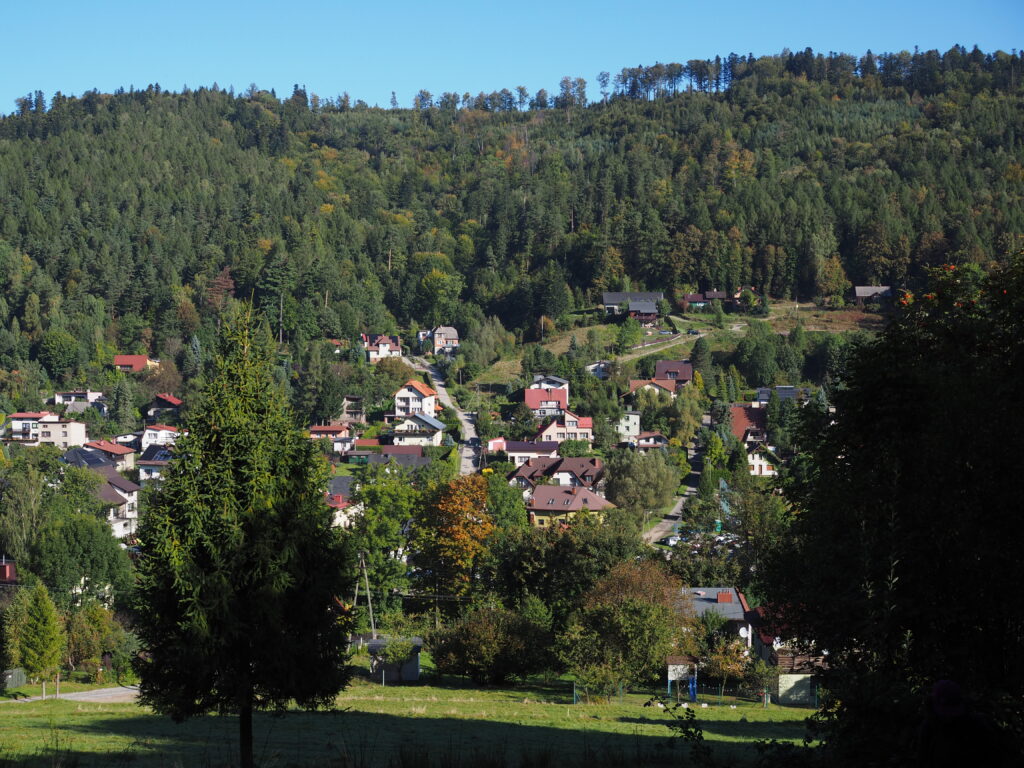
[551, 501]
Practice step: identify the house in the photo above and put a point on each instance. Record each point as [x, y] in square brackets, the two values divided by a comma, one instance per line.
[629, 426]
[339, 498]
[656, 386]
[418, 429]
[134, 363]
[81, 406]
[338, 434]
[379, 346]
[783, 392]
[122, 456]
[76, 396]
[86, 459]
[648, 441]
[644, 312]
[729, 603]
[798, 667]
[164, 405]
[680, 371]
[546, 402]
[617, 302]
[762, 461]
[566, 472]
[866, 294]
[352, 411]
[443, 340]
[404, 671]
[153, 463]
[568, 426]
[602, 369]
[121, 497]
[416, 397]
[547, 381]
[749, 424]
[35, 427]
[550, 504]
[157, 434]
[694, 301]
[721, 296]
[519, 452]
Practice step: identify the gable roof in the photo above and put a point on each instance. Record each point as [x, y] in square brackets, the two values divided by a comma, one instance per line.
[872, 291]
[668, 385]
[419, 386]
[340, 485]
[524, 446]
[683, 370]
[558, 499]
[544, 466]
[430, 421]
[643, 306]
[401, 450]
[549, 377]
[584, 422]
[618, 297]
[81, 457]
[108, 447]
[135, 362]
[161, 428]
[169, 399]
[535, 397]
[155, 456]
[745, 418]
[113, 478]
[446, 331]
[29, 415]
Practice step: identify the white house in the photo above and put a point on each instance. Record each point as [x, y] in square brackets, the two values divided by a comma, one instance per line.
[762, 461]
[121, 497]
[416, 397]
[122, 456]
[76, 396]
[519, 452]
[568, 426]
[629, 426]
[379, 346]
[444, 340]
[157, 434]
[153, 463]
[546, 402]
[34, 427]
[418, 429]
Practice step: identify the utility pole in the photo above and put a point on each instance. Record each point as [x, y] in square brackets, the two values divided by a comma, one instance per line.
[369, 598]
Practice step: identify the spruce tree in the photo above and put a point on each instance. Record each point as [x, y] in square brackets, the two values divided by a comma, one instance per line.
[42, 638]
[240, 569]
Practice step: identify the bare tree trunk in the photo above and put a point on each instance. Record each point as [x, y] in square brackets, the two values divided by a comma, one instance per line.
[245, 736]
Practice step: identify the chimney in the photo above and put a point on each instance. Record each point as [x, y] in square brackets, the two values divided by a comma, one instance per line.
[725, 596]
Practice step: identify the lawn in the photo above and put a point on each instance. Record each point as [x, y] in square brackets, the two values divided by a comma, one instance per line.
[418, 724]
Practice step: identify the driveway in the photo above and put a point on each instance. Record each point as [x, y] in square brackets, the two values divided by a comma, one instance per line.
[667, 524]
[466, 453]
[104, 695]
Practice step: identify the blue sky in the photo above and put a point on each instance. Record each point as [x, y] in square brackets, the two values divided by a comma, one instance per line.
[371, 49]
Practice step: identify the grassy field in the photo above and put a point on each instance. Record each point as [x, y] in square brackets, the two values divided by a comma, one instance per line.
[443, 723]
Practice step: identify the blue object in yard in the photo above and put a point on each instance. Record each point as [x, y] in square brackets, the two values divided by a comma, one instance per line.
[718, 526]
[693, 687]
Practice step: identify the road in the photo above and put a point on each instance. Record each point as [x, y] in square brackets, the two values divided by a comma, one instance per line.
[103, 695]
[466, 453]
[664, 528]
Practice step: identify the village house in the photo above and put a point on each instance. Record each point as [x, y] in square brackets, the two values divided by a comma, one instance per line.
[122, 456]
[649, 441]
[153, 463]
[749, 424]
[762, 461]
[566, 472]
[443, 340]
[164, 406]
[134, 363]
[568, 426]
[551, 504]
[783, 392]
[157, 434]
[76, 396]
[121, 497]
[339, 498]
[679, 371]
[418, 429]
[44, 427]
[602, 369]
[644, 312]
[546, 402]
[379, 346]
[867, 294]
[798, 667]
[629, 426]
[416, 397]
[617, 302]
[521, 451]
[352, 411]
[654, 386]
[547, 381]
[730, 604]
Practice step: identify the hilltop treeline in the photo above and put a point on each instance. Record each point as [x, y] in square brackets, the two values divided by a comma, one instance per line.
[128, 219]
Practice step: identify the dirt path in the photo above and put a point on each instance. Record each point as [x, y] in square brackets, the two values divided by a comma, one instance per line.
[665, 527]
[105, 695]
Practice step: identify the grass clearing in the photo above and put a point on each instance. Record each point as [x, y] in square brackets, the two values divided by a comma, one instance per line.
[444, 721]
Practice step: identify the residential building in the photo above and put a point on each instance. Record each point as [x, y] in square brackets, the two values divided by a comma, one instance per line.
[547, 381]
[865, 294]
[584, 472]
[122, 456]
[749, 424]
[330, 432]
[379, 346]
[418, 429]
[568, 426]
[76, 396]
[783, 392]
[655, 386]
[157, 434]
[602, 369]
[762, 461]
[443, 340]
[629, 426]
[121, 497]
[520, 451]
[153, 463]
[552, 504]
[679, 371]
[339, 498]
[546, 402]
[352, 410]
[729, 603]
[649, 441]
[617, 302]
[644, 312]
[35, 427]
[134, 363]
[164, 406]
[416, 397]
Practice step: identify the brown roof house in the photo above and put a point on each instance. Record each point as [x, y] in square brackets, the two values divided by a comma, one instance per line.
[552, 504]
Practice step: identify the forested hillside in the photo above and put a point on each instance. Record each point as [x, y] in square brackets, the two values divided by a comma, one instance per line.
[127, 219]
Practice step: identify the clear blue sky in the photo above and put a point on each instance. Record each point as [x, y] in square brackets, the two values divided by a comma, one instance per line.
[371, 49]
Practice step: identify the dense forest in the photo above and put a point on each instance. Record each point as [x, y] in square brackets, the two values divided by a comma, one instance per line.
[128, 219]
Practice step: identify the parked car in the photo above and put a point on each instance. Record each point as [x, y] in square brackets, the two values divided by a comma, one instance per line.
[693, 332]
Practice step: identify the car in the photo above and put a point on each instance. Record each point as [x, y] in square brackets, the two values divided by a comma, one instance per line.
[474, 442]
[672, 540]
[693, 332]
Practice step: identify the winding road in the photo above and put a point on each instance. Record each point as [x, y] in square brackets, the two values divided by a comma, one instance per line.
[466, 452]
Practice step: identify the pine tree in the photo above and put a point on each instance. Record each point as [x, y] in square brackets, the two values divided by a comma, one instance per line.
[240, 567]
[42, 639]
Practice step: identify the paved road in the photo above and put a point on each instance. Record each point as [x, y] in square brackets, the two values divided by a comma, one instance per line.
[664, 528]
[466, 453]
[105, 695]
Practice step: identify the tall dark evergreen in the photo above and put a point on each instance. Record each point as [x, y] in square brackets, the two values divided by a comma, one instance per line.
[240, 568]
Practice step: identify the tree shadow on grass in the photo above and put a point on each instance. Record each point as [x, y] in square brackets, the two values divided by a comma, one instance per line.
[336, 738]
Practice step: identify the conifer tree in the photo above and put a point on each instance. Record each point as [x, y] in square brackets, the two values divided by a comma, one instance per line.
[42, 638]
[240, 567]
